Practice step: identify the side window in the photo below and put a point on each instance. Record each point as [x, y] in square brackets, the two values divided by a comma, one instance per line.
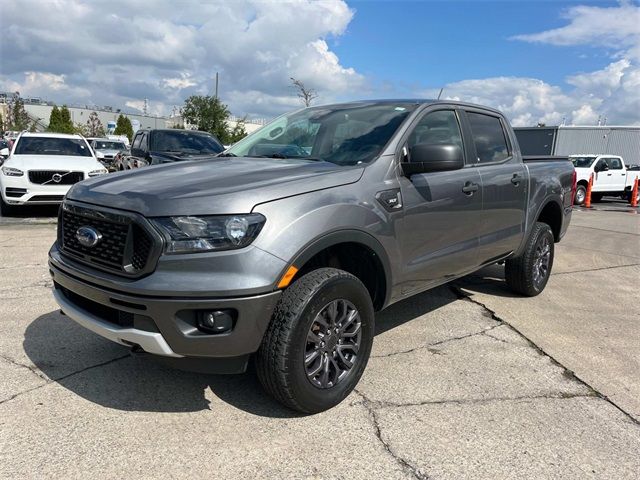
[144, 142]
[137, 141]
[488, 137]
[602, 163]
[440, 127]
[614, 163]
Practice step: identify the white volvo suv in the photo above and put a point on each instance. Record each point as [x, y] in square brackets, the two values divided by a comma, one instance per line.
[42, 167]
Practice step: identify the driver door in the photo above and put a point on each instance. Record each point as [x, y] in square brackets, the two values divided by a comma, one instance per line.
[442, 210]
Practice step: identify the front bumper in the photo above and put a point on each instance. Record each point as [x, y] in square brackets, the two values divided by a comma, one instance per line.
[16, 191]
[163, 326]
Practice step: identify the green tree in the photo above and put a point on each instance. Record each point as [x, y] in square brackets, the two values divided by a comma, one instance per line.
[207, 114]
[17, 116]
[124, 127]
[239, 131]
[66, 124]
[55, 120]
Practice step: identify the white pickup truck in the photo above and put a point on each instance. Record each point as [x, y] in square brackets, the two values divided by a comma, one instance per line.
[610, 177]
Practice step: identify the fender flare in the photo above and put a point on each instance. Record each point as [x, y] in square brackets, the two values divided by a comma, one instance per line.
[347, 236]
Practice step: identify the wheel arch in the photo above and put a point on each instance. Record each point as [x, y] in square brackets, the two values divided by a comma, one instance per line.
[346, 243]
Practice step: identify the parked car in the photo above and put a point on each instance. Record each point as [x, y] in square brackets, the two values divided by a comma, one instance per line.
[610, 177]
[42, 167]
[157, 146]
[5, 150]
[284, 246]
[106, 150]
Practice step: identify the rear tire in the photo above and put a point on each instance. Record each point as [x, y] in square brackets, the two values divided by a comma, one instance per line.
[581, 195]
[529, 273]
[308, 337]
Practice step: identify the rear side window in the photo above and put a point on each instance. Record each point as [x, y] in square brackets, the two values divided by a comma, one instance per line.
[488, 137]
[614, 163]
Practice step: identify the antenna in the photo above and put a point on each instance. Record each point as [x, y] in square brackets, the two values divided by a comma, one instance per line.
[440, 94]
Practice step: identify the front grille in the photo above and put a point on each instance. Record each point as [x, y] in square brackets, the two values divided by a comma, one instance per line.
[46, 198]
[46, 177]
[124, 246]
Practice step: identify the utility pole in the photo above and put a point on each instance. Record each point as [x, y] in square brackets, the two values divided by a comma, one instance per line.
[216, 85]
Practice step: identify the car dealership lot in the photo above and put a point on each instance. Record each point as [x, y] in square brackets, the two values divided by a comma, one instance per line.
[466, 380]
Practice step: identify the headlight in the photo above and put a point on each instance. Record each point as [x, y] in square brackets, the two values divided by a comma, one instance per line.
[95, 173]
[203, 234]
[12, 172]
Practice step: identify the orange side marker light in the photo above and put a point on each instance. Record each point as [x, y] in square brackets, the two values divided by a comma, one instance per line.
[287, 277]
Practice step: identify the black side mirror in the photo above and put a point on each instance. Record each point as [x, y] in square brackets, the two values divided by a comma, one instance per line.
[425, 158]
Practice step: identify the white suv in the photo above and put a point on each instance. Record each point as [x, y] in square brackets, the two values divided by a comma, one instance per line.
[42, 167]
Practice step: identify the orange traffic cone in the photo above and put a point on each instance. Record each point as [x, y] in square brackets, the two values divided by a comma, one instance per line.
[587, 200]
[634, 193]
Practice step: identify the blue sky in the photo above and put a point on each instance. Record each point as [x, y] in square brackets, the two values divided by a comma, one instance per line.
[538, 61]
[432, 43]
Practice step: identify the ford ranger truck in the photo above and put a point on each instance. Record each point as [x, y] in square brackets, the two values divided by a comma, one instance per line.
[282, 249]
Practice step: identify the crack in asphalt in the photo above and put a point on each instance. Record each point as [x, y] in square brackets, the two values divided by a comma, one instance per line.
[597, 269]
[570, 374]
[49, 381]
[475, 401]
[430, 346]
[33, 369]
[414, 471]
[23, 266]
[48, 283]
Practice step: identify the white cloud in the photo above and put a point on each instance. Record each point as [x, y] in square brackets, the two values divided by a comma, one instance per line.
[614, 27]
[612, 92]
[121, 51]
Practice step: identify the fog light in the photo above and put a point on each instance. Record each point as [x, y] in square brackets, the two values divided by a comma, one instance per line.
[216, 321]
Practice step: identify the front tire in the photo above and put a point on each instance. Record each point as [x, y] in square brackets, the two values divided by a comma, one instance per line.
[529, 273]
[319, 340]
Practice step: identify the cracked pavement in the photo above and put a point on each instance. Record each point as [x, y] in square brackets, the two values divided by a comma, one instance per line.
[464, 381]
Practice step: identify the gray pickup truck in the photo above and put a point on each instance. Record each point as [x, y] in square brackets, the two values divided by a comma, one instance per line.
[284, 246]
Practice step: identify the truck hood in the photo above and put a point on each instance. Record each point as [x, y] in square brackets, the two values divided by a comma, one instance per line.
[225, 185]
[53, 162]
[179, 157]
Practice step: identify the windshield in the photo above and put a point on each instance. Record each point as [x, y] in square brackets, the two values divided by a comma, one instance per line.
[582, 162]
[106, 145]
[74, 147]
[341, 134]
[185, 141]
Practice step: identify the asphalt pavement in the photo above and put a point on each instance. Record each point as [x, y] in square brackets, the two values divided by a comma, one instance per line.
[466, 381]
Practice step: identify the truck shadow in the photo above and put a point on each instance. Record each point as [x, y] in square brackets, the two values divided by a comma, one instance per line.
[106, 374]
[489, 280]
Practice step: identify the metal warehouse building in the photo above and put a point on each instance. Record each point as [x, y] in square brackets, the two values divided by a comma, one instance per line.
[571, 140]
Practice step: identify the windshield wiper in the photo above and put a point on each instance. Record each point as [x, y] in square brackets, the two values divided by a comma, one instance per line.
[226, 154]
[285, 157]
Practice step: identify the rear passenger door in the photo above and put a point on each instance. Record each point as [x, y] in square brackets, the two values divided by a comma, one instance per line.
[616, 175]
[504, 185]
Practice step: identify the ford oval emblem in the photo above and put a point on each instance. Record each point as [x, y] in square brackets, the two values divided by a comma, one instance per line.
[88, 236]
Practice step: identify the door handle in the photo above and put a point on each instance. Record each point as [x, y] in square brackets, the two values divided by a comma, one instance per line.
[516, 179]
[469, 188]
[609, 174]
